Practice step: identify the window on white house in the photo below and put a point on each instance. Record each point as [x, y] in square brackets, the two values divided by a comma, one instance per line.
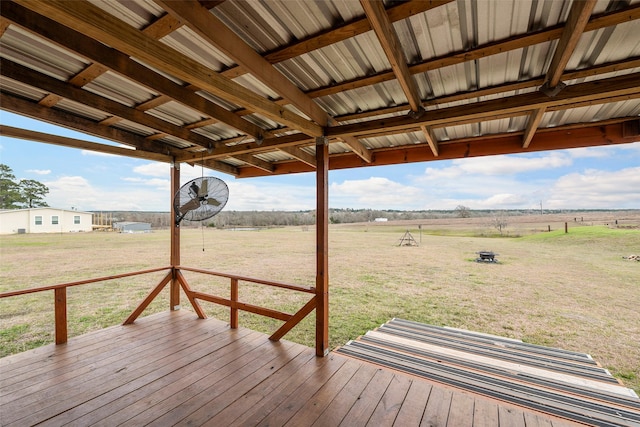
[54, 220]
[76, 219]
[38, 220]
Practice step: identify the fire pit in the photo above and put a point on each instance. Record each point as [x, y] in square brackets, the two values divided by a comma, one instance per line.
[486, 256]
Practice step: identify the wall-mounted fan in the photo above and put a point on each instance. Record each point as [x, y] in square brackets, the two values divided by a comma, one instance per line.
[200, 199]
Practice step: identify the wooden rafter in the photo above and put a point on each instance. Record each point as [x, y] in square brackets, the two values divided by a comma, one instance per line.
[431, 140]
[534, 120]
[51, 115]
[501, 88]
[573, 29]
[255, 162]
[601, 91]
[31, 77]
[570, 136]
[487, 110]
[30, 135]
[627, 14]
[123, 65]
[338, 33]
[300, 155]
[388, 38]
[211, 29]
[86, 18]
[358, 148]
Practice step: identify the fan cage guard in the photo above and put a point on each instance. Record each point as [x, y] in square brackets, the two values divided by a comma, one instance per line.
[200, 199]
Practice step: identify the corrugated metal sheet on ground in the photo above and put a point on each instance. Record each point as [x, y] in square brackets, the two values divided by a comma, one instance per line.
[556, 381]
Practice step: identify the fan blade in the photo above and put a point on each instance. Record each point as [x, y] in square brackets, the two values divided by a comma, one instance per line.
[189, 206]
[203, 189]
[213, 202]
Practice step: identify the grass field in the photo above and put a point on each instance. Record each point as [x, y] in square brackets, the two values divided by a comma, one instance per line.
[573, 290]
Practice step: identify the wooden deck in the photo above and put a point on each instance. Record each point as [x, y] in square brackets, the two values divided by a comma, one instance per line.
[172, 368]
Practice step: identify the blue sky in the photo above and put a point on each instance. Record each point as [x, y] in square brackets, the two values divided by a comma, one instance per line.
[590, 178]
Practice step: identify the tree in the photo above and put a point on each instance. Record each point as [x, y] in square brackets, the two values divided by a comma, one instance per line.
[9, 189]
[26, 193]
[33, 193]
[463, 211]
[500, 222]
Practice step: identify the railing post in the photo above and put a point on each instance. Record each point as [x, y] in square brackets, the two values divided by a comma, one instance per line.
[60, 298]
[234, 304]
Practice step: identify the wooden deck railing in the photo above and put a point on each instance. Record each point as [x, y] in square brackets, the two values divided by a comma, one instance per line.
[235, 305]
[60, 298]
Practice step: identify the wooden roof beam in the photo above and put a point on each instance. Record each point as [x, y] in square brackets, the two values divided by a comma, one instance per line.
[297, 153]
[534, 121]
[452, 116]
[623, 131]
[595, 91]
[123, 65]
[255, 162]
[388, 38]
[30, 135]
[58, 117]
[616, 89]
[211, 29]
[88, 19]
[54, 86]
[431, 140]
[357, 147]
[630, 13]
[338, 33]
[596, 70]
[573, 29]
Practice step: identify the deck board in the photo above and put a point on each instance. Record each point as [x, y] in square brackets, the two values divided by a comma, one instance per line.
[172, 368]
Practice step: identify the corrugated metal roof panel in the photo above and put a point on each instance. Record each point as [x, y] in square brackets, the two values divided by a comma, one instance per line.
[135, 13]
[119, 89]
[176, 113]
[81, 110]
[187, 42]
[217, 131]
[32, 51]
[21, 90]
[274, 156]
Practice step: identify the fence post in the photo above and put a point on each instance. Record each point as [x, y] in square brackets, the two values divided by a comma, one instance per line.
[234, 303]
[60, 298]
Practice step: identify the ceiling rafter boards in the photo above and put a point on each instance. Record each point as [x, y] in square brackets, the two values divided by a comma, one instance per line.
[123, 65]
[92, 21]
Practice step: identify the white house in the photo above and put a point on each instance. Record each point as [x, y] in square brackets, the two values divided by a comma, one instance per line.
[44, 220]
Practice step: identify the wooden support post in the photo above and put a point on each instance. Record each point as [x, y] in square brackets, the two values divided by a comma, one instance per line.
[322, 246]
[234, 304]
[175, 240]
[60, 297]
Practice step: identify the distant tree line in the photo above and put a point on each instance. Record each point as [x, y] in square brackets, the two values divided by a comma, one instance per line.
[231, 219]
[18, 194]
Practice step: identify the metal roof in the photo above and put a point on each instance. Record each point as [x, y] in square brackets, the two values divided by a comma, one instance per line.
[386, 82]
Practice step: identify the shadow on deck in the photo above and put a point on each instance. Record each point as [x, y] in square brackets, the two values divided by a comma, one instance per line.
[171, 368]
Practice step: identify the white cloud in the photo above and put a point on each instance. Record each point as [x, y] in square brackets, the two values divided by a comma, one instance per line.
[244, 196]
[39, 171]
[511, 165]
[375, 193]
[597, 189]
[153, 169]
